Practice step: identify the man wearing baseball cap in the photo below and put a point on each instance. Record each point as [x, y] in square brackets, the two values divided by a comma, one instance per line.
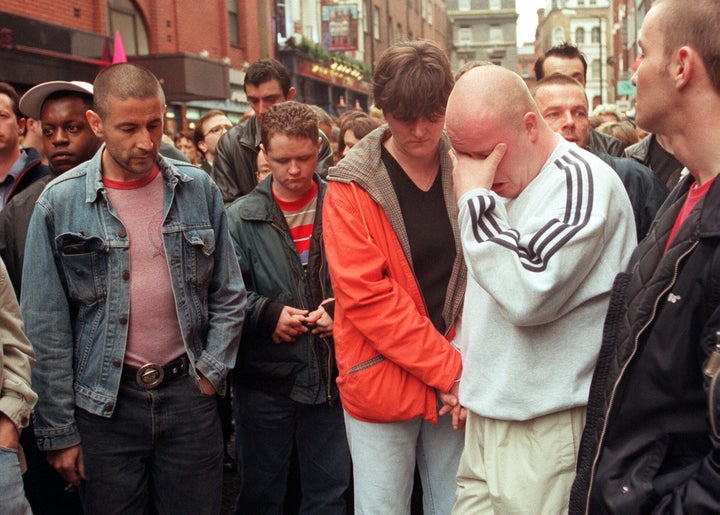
[68, 141]
[61, 107]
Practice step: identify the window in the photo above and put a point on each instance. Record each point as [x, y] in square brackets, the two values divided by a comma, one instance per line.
[595, 68]
[495, 5]
[558, 36]
[464, 5]
[280, 19]
[390, 31]
[233, 19]
[496, 33]
[595, 35]
[580, 36]
[376, 23]
[124, 16]
[464, 35]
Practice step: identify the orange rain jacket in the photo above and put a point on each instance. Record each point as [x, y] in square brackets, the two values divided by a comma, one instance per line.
[390, 357]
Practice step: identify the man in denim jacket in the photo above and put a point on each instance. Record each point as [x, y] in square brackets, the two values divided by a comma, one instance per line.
[134, 303]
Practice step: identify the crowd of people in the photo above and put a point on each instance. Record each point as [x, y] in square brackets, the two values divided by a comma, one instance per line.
[482, 294]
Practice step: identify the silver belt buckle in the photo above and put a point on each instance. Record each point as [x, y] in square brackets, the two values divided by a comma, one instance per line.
[149, 376]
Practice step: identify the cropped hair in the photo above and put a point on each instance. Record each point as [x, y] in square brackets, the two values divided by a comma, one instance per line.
[290, 118]
[265, 70]
[556, 79]
[124, 81]
[694, 24]
[412, 80]
[12, 94]
[564, 51]
[199, 132]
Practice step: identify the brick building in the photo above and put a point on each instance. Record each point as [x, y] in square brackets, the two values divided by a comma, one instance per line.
[199, 50]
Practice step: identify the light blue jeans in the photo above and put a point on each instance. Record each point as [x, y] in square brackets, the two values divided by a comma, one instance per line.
[384, 457]
[12, 494]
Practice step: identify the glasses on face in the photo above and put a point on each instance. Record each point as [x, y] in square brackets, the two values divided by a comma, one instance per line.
[218, 130]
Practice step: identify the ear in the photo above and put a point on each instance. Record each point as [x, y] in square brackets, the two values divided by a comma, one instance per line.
[262, 149]
[319, 143]
[21, 126]
[202, 147]
[291, 93]
[95, 123]
[683, 66]
[530, 123]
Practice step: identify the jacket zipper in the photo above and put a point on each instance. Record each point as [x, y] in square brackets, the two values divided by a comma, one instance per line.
[624, 369]
[298, 286]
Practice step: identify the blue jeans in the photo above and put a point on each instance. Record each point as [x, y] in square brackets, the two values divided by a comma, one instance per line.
[266, 428]
[384, 457]
[161, 448]
[12, 494]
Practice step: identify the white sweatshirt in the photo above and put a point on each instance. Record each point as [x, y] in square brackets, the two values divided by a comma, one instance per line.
[540, 271]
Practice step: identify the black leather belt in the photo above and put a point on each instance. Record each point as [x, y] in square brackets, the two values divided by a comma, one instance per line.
[152, 375]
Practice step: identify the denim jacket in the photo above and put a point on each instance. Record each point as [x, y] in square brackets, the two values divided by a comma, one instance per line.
[76, 291]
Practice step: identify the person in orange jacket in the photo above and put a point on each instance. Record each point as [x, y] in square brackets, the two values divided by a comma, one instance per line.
[396, 264]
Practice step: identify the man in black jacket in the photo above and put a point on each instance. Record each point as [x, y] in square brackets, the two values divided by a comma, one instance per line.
[68, 141]
[267, 82]
[652, 439]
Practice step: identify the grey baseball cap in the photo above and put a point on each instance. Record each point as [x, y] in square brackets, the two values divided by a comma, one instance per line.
[32, 101]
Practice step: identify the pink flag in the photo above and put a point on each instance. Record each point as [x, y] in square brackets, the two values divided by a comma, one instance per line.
[118, 50]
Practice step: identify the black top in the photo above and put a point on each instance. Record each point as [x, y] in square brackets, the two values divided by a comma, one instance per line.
[432, 244]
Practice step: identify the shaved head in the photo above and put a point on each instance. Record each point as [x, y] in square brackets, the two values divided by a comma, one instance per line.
[489, 92]
[489, 106]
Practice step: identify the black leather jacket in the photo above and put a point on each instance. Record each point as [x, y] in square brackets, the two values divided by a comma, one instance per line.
[651, 442]
[651, 154]
[235, 161]
[645, 190]
[599, 142]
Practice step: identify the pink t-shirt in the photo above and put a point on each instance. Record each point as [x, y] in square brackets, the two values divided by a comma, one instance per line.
[154, 331]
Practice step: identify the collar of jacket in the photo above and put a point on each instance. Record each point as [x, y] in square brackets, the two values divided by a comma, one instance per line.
[247, 133]
[709, 210]
[259, 205]
[93, 174]
[33, 158]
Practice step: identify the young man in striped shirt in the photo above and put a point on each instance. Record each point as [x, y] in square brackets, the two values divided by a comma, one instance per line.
[285, 384]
